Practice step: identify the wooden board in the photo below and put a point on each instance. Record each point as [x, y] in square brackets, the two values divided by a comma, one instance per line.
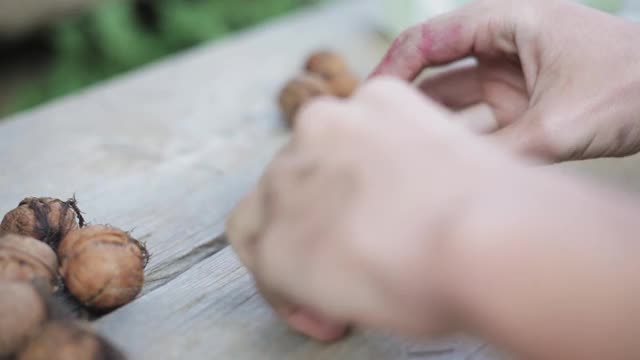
[166, 152]
[212, 311]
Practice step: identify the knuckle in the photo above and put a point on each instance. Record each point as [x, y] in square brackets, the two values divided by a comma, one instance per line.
[378, 88]
[547, 140]
[317, 106]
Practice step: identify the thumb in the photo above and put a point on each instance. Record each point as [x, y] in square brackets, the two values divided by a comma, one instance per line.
[303, 319]
[316, 326]
[243, 227]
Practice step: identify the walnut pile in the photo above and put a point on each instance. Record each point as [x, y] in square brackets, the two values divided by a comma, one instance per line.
[49, 260]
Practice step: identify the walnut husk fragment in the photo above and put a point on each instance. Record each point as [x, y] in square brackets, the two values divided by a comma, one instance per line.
[45, 219]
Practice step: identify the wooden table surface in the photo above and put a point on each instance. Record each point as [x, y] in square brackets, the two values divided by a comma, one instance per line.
[167, 151]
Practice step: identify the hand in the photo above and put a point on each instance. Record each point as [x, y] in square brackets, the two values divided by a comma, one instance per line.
[562, 80]
[346, 225]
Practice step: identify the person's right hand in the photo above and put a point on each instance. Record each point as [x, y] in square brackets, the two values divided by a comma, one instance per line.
[347, 227]
[562, 80]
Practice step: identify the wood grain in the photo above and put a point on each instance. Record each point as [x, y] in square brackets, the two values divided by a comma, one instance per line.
[212, 311]
[168, 151]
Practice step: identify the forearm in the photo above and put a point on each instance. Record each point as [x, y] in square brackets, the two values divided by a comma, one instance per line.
[550, 269]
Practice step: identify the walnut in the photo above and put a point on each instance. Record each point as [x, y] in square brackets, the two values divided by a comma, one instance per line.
[22, 313]
[23, 258]
[335, 71]
[102, 267]
[298, 92]
[66, 340]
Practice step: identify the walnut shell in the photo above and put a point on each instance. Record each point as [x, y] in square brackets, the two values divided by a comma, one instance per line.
[327, 64]
[45, 219]
[344, 85]
[69, 340]
[22, 313]
[298, 92]
[23, 258]
[102, 267]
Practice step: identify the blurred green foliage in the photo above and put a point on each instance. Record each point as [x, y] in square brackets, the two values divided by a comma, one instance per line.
[114, 38]
[605, 5]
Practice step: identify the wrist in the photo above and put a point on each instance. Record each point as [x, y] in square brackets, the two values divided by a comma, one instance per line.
[482, 243]
[457, 248]
[539, 250]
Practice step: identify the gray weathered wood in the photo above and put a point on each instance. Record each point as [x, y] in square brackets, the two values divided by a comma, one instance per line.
[167, 151]
[212, 311]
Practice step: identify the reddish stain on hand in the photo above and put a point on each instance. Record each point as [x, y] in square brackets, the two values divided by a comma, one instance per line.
[448, 45]
[426, 41]
[418, 47]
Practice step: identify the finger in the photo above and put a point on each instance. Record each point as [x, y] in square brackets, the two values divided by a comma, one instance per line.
[281, 307]
[439, 41]
[250, 217]
[390, 95]
[480, 119]
[478, 28]
[316, 326]
[456, 88]
[319, 116]
[244, 226]
[304, 320]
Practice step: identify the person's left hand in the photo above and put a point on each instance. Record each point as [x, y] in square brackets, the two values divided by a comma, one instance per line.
[559, 90]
